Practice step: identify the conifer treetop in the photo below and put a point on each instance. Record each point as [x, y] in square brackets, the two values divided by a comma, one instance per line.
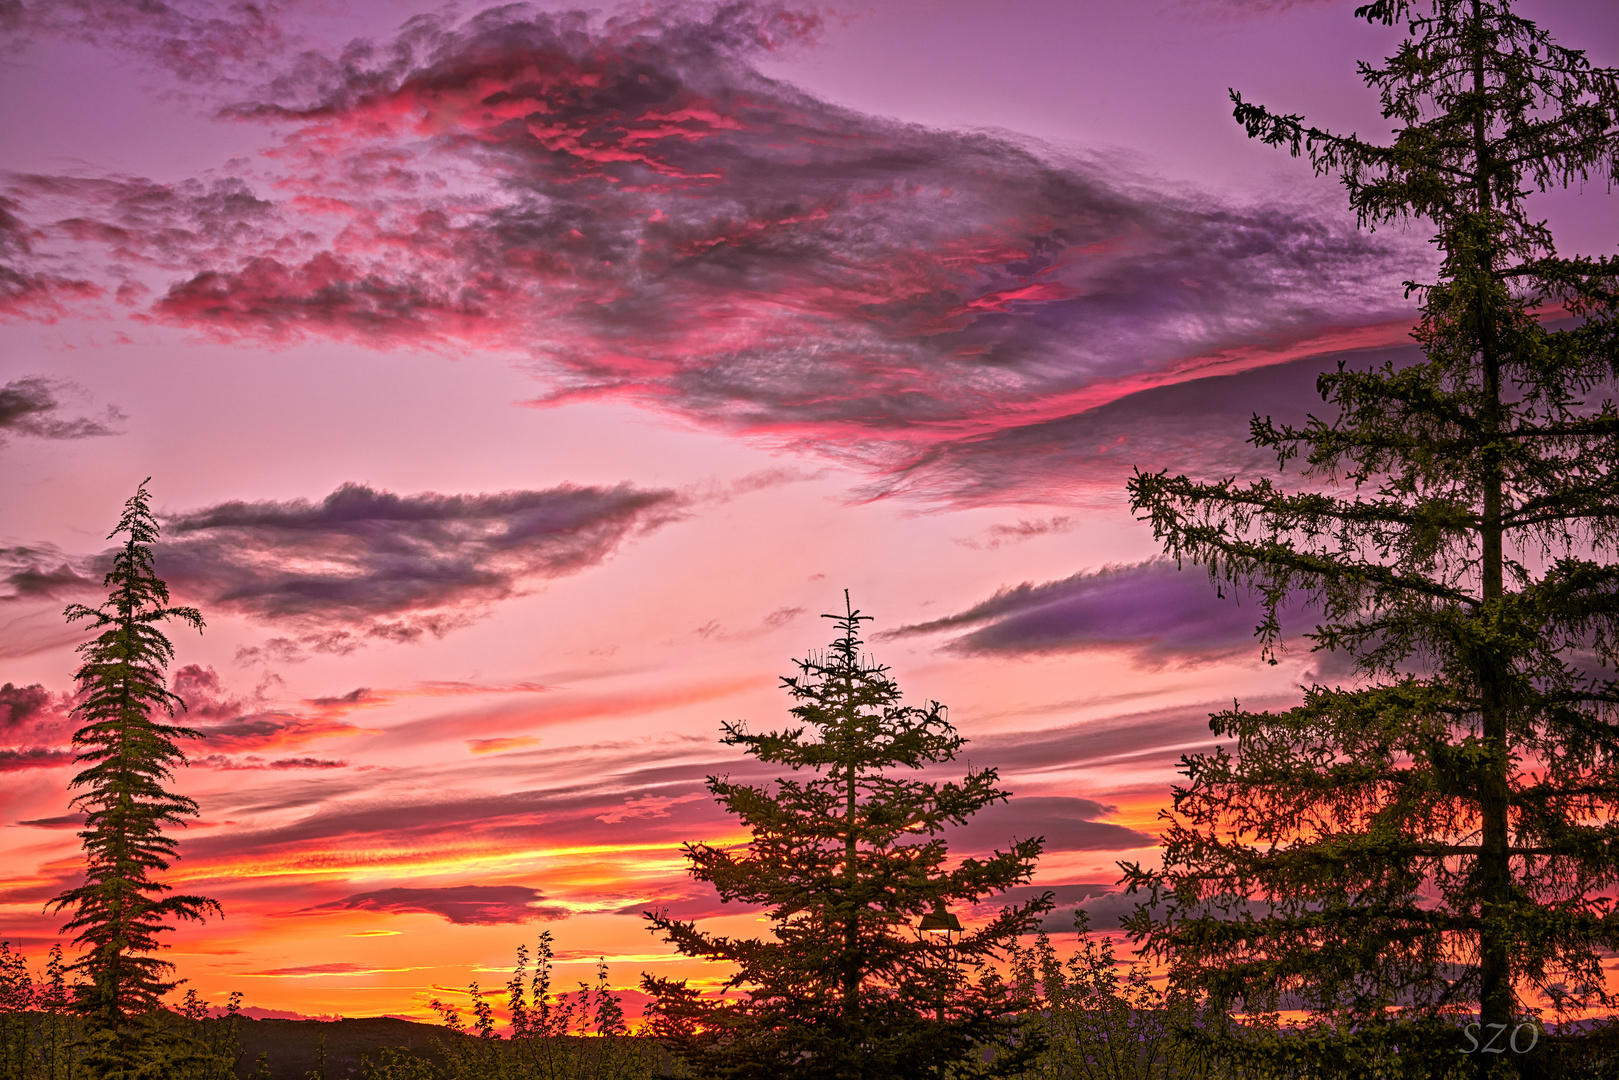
[121, 908]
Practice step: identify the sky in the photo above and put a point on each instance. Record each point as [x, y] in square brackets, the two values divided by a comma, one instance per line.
[519, 384]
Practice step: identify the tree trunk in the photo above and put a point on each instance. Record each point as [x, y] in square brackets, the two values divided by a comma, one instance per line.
[1494, 868]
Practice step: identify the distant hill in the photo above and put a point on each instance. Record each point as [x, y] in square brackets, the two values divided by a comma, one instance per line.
[293, 1045]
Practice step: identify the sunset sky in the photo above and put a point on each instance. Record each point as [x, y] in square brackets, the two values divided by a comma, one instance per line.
[520, 383]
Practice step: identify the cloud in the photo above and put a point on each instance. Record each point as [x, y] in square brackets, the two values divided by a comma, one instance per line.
[63, 821]
[27, 292]
[687, 899]
[252, 761]
[1065, 897]
[1198, 426]
[649, 806]
[501, 745]
[635, 206]
[1226, 10]
[1164, 733]
[36, 757]
[43, 571]
[386, 817]
[363, 564]
[1067, 823]
[315, 971]
[463, 905]
[1023, 529]
[20, 703]
[1153, 609]
[29, 406]
[197, 40]
[233, 723]
[34, 725]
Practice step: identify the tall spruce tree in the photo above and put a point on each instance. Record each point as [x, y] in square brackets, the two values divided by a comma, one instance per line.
[1427, 847]
[849, 859]
[119, 910]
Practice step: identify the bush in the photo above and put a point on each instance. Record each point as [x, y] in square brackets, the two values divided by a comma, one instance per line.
[577, 1035]
[1096, 1025]
[41, 1037]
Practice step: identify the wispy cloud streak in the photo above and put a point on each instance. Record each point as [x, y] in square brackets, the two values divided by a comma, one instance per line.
[463, 905]
[1154, 609]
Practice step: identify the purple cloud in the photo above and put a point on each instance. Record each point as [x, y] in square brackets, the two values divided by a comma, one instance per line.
[20, 703]
[43, 571]
[365, 565]
[30, 406]
[463, 905]
[28, 291]
[197, 40]
[1155, 610]
[62, 821]
[1067, 823]
[35, 757]
[395, 566]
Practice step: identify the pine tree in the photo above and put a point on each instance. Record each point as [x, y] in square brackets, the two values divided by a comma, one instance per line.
[119, 910]
[847, 857]
[1427, 848]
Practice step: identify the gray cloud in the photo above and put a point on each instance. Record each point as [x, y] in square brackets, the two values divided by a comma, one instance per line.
[254, 762]
[35, 757]
[1095, 742]
[1154, 609]
[197, 40]
[63, 821]
[1198, 426]
[364, 565]
[43, 571]
[463, 905]
[1067, 823]
[369, 563]
[20, 703]
[30, 406]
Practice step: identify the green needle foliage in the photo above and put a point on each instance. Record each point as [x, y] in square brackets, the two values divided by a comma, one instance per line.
[846, 855]
[120, 908]
[1427, 847]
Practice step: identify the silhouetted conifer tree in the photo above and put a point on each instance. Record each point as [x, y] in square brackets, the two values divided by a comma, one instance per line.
[1427, 847]
[119, 910]
[846, 854]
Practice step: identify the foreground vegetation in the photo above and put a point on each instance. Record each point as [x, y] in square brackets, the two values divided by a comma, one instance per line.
[1092, 1017]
